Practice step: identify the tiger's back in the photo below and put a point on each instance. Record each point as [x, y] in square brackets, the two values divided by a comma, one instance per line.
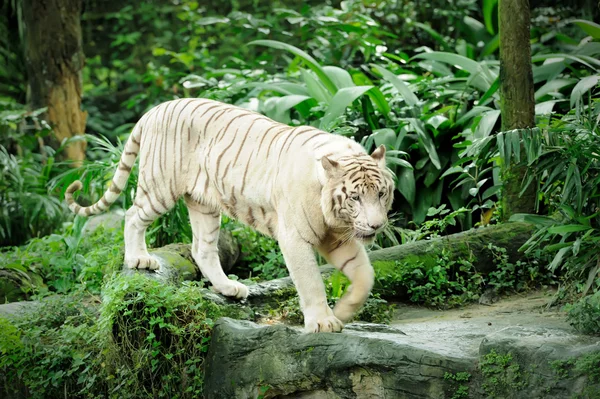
[229, 158]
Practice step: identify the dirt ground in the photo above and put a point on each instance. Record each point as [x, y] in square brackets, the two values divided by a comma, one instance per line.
[459, 332]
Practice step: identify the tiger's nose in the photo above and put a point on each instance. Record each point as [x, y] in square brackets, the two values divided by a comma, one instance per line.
[376, 226]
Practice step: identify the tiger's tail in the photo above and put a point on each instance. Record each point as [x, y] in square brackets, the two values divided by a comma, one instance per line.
[119, 180]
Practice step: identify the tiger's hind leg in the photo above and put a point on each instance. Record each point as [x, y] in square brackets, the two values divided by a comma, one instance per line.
[136, 254]
[206, 223]
[150, 203]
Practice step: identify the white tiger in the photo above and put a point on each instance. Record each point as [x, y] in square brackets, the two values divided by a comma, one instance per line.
[307, 188]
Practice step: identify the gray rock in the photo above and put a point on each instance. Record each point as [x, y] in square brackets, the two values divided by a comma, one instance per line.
[245, 360]
[112, 219]
[17, 308]
[489, 297]
[542, 363]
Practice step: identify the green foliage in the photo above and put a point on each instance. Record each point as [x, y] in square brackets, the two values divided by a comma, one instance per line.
[585, 367]
[375, 309]
[27, 208]
[501, 374]
[52, 350]
[459, 382]
[260, 255]
[441, 282]
[565, 165]
[157, 337]
[517, 277]
[148, 340]
[446, 282]
[60, 263]
[584, 314]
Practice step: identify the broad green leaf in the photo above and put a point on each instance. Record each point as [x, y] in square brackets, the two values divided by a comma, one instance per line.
[486, 124]
[533, 219]
[426, 140]
[489, 7]
[473, 30]
[407, 94]
[315, 88]
[342, 99]
[399, 162]
[278, 108]
[472, 113]
[212, 20]
[582, 87]
[452, 170]
[491, 191]
[285, 88]
[558, 258]
[379, 100]
[453, 59]
[436, 120]
[546, 107]
[589, 27]
[548, 71]
[481, 78]
[383, 136]
[491, 46]
[553, 86]
[292, 88]
[406, 184]
[339, 76]
[488, 95]
[306, 58]
[567, 228]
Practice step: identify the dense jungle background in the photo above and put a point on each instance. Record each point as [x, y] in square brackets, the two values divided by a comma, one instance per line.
[422, 77]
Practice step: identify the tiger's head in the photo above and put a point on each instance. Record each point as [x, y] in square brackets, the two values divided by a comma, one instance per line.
[357, 194]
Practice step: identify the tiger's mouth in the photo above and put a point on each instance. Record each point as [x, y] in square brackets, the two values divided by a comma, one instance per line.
[366, 237]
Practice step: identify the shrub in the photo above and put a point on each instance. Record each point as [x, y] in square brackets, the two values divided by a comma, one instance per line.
[51, 350]
[146, 340]
[157, 337]
[584, 314]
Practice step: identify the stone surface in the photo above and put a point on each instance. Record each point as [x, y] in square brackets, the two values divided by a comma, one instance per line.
[112, 219]
[410, 358]
[246, 359]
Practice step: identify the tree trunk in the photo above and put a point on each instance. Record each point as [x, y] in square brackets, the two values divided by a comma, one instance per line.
[517, 96]
[54, 60]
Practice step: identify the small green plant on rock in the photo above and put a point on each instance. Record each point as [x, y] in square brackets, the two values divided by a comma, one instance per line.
[501, 375]
[459, 382]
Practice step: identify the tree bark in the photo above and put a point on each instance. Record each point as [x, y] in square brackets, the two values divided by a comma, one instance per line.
[54, 60]
[517, 96]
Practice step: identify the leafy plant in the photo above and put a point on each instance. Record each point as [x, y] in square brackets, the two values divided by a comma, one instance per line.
[584, 314]
[440, 283]
[260, 255]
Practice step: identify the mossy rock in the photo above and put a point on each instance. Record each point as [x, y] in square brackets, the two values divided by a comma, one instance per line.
[470, 244]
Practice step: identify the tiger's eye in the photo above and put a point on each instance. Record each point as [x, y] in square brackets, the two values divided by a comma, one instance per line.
[381, 194]
[354, 197]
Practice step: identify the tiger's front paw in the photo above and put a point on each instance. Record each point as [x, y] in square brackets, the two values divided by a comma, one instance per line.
[233, 289]
[325, 322]
[143, 262]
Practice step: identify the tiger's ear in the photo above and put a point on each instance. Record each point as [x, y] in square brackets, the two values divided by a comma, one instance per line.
[330, 167]
[379, 156]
